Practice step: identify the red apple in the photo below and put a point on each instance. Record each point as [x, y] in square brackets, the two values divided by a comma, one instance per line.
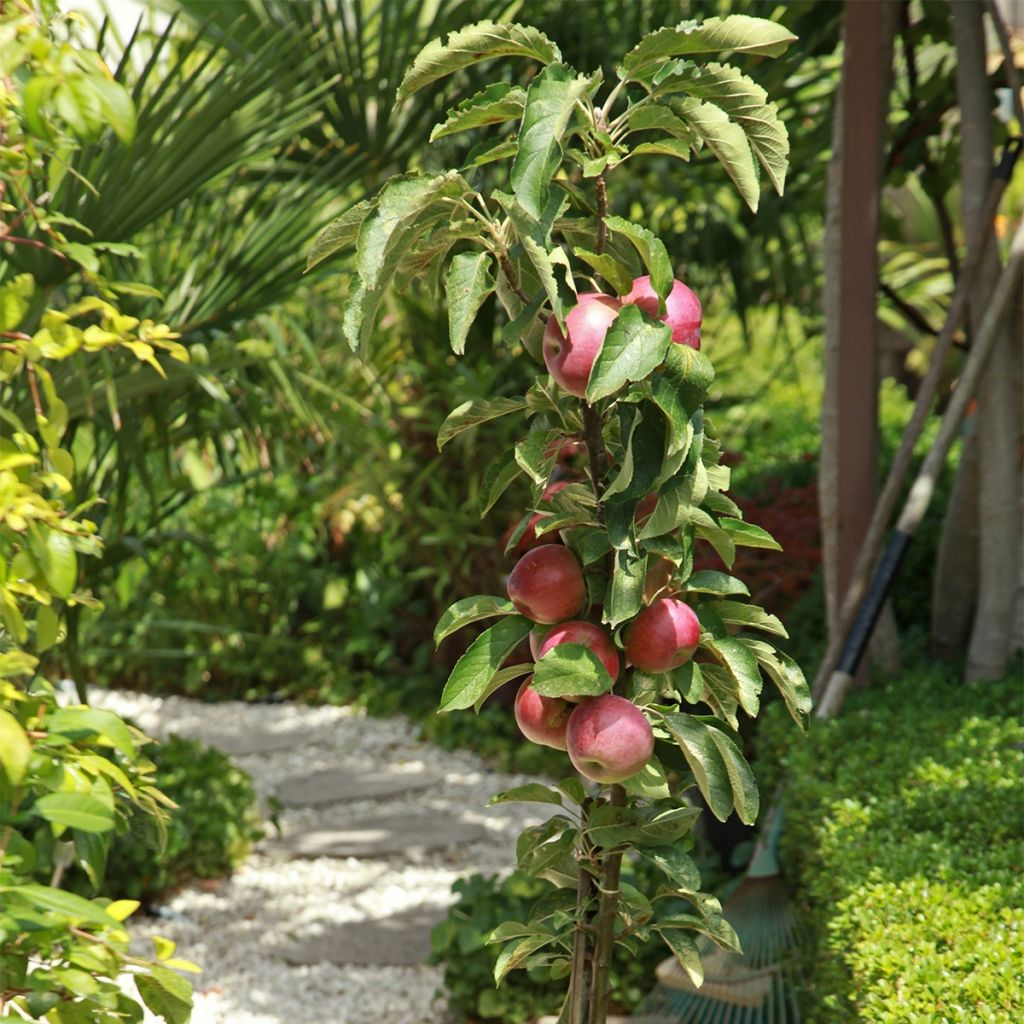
[608, 739]
[546, 584]
[682, 309]
[542, 719]
[586, 633]
[663, 636]
[570, 357]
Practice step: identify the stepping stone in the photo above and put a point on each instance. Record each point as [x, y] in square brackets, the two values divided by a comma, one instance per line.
[384, 836]
[337, 786]
[256, 741]
[401, 940]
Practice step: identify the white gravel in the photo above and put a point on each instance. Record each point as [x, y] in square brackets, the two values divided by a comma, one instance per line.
[233, 930]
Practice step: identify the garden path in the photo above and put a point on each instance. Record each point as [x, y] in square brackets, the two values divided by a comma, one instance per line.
[329, 921]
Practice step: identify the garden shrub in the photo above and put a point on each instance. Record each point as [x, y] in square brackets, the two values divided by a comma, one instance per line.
[209, 833]
[903, 822]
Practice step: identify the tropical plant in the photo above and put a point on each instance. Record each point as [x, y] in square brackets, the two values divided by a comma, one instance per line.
[69, 775]
[636, 408]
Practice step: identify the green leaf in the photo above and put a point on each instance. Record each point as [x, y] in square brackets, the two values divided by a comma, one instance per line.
[532, 792]
[473, 413]
[748, 535]
[47, 627]
[652, 116]
[609, 268]
[747, 105]
[471, 45]
[729, 144]
[741, 664]
[516, 953]
[15, 300]
[738, 33]
[67, 904]
[789, 679]
[467, 284]
[474, 670]
[500, 678]
[407, 208]
[76, 810]
[643, 458]
[496, 480]
[550, 103]
[632, 348]
[498, 103]
[15, 748]
[664, 147]
[676, 865]
[709, 581]
[341, 233]
[667, 826]
[650, 783]
[722, 773]
[538, 453]
[651, 250]
[685, 948]
[470, 609]
[571, 670]
[80, 721]
[59, 563]
[737, 613]
[167, 994]
[709, 530]
[626, 590]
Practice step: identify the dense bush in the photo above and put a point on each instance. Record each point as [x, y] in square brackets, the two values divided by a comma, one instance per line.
[903, 834]
[209, 833]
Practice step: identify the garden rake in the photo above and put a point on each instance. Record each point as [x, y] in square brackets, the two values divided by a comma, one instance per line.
[752, 987]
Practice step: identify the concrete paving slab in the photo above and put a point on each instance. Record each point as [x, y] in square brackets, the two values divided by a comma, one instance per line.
[329, 787]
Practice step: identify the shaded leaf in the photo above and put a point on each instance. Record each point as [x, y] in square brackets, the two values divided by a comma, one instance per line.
[632, 349]
[474, 670]
[467, 284]
[470, 609]
[475, 412]
[571, 670]
[497, 103]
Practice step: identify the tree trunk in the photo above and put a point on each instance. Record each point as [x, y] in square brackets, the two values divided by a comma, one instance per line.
[848, 473]
[999, 397]
[955, 585]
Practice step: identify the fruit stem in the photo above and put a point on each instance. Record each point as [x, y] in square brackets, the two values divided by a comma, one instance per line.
[607, 913]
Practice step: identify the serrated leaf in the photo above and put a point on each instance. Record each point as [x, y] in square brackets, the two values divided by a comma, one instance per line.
[722, 773]
[471, 45]
[664, 147]
[571, 670]
[500, 678]
[467, 284]
[653, 116]
[720, 691]
[537, 454]
[543, 264]
[516, 953]
[738, 33]
[681, 384]
[474, 670]
[631, 350]
[676, 865]
[737, 613]
[685, 949]
[729, 144]
[496, 480]
[747, 105]
[15, 748]
[608, 267]
[789, 679]
[550, 103]
[741, 664]
[341, 233]
[532, 792]
[470, 609]
[748, 535]
[650, 783]
[710, 581]
[651, 250]
[626, 588]
[498, 103]
[473, 413]
[709, 530]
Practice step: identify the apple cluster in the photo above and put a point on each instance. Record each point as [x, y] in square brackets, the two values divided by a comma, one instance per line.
[608, 738]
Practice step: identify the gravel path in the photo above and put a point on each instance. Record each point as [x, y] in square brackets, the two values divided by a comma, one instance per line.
[237, 932]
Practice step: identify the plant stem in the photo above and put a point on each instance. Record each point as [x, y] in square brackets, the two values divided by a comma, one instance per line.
[578, 980]
[607, 913]
[602, 212]
[593, 436]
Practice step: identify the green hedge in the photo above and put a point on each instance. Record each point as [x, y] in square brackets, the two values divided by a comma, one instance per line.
[903, 836]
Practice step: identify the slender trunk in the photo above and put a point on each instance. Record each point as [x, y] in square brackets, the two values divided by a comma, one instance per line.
[999, 399]
[955, 585]
[604, 925]
[849, 421]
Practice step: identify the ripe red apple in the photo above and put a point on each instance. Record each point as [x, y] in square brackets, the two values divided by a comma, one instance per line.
[542, 719]
[608, 738]
[586, 633]
[682, 309]
[546, 584]
[663, 636]
[570, 357]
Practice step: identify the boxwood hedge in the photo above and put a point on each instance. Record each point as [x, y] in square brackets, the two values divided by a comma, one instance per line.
[904, 841]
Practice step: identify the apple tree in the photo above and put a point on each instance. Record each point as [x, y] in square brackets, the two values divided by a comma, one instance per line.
[640, 666]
